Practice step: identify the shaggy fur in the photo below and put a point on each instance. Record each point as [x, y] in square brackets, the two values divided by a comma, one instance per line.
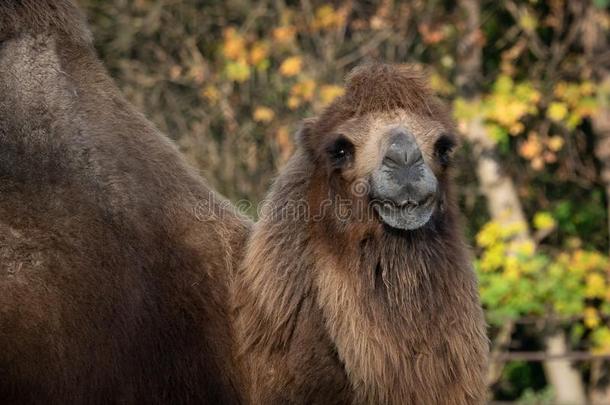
[115, 259]
[116, 262]
[345, 310]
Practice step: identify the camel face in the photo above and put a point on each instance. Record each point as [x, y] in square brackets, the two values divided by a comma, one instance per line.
[398, 158]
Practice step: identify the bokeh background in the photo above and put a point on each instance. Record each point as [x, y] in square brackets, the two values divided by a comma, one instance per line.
[529, 83]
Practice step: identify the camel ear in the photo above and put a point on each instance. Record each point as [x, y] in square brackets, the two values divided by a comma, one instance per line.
[303, 135]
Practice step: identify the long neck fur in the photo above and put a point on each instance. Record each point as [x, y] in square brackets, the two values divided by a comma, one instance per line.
[401, 309]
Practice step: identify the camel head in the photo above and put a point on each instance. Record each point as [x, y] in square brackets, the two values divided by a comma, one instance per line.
[387, 141]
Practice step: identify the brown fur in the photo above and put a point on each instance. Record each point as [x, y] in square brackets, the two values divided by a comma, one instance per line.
[116, 262]
[338, 311]
[115, 258]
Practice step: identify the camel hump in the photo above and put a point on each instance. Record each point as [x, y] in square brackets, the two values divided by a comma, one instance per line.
[18, 17]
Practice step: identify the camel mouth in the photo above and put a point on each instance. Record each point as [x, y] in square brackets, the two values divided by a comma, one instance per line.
[407, 215]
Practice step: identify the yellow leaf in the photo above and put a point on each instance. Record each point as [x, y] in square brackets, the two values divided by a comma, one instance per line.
[263, 114]
[524, 248]
[516, 128]
[560, 89]
[211, 93]
[511, 267]
[237, 71]
[587, 88]
[304, 89]
[329, 92]
[493, 258]
[490, 234]
[234, 46]
[325, 14]
[327, 17]
[544, 220]
[601, 340]
[284, 35]
[528, 22]
[591, 318]
[555, 143]
[595, 286]
[557, 111]
[293, 102]
[258, 53]
[532, 147]
[291, 66]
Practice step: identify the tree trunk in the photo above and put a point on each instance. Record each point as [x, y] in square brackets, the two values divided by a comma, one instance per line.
[601, 127]
[600, 392]
[595, 43]
[567, 384]
[500, 191]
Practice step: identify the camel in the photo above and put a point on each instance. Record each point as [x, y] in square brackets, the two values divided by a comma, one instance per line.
[125, 279]
[367, 295]
[115, 257]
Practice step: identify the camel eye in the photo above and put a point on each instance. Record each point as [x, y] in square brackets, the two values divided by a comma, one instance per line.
[442, 149]
[341, 150]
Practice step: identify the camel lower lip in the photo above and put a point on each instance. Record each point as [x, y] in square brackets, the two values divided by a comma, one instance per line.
[406, 217]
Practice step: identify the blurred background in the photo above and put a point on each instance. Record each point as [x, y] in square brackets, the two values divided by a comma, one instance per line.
[529, 84]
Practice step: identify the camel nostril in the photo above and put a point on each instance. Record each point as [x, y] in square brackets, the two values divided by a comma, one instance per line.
[408, 203]
[429, 199]
[391, 161]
